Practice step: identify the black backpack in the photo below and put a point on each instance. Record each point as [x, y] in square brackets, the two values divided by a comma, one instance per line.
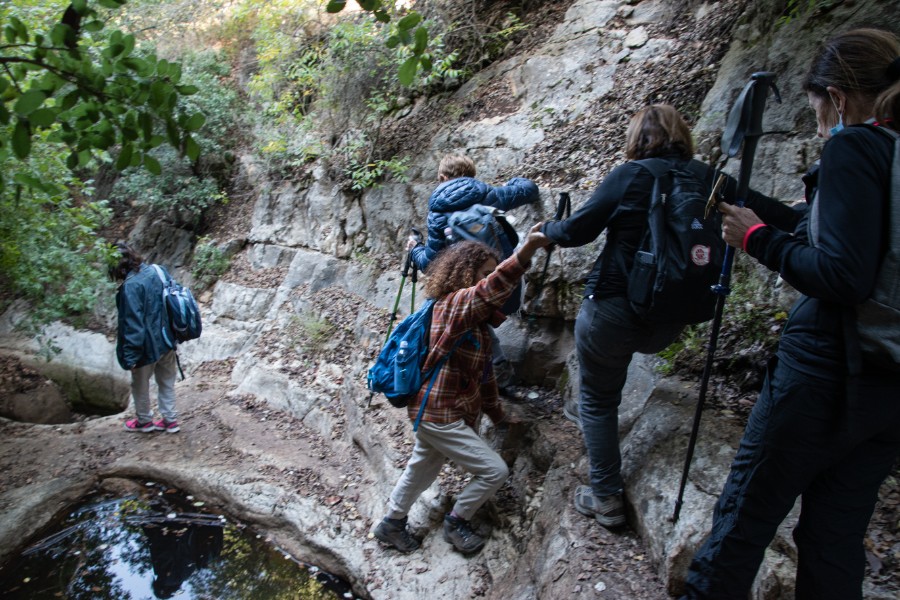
[680, 257]
[181, 308]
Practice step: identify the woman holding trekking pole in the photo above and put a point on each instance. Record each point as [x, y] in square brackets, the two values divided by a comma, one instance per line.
[826, 426]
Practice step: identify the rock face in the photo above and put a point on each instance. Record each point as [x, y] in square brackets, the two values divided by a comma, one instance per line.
[290, 330]
[85, 366]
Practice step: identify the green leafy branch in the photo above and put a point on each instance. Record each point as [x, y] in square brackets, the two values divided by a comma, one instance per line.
[408, 32]
[90, 98]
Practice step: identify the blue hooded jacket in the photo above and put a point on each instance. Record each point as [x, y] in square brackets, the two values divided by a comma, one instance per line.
[141, 338]
[460, 194]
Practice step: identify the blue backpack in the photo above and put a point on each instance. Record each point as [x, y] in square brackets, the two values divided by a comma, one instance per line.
[397, 372]
[484, 224]
[182, 309]
[488, 225]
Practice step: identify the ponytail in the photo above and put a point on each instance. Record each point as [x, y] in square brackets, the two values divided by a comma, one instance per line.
[887, 105]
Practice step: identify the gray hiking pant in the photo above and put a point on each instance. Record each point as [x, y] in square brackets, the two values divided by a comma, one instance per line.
[164, 372]
[607, 334]
[436, 442]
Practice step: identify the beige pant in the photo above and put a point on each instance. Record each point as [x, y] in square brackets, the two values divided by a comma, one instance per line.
[436, 442]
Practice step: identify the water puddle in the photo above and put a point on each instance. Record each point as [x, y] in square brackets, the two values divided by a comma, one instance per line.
[159, 545]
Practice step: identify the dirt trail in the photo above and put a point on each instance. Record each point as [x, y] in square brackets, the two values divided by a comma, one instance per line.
[232, 441]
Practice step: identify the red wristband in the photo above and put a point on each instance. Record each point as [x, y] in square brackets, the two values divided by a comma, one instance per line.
[749, 233]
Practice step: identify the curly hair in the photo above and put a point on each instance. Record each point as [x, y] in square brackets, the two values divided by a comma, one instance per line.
[455, 268]
[129, 261]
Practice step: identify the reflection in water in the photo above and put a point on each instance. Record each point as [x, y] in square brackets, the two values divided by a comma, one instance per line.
[175, 555]
[141, 549]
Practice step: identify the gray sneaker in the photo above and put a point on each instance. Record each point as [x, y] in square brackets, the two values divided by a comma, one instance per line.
[459, 533]
[394, 533]
[608, 510]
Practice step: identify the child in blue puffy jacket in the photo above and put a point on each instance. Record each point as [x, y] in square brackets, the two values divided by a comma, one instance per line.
[459, 190]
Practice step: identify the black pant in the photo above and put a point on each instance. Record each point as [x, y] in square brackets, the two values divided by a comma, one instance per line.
[803, 437]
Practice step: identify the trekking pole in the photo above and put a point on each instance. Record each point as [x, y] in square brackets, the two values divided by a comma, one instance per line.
[563, 211]
[404, 273]
[744, 127]
[415, 271]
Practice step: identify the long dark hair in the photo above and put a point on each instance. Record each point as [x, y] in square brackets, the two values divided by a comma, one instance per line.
[128, 262]
[864, 64]
[456, 267]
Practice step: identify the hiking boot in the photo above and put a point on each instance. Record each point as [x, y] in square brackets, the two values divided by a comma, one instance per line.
[167, 426]
[138, 427]
[459, 533]
[571, 412]
[608, 510]
[394, 533]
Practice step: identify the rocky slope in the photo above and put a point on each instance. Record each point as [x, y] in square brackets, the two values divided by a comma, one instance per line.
[277, 426]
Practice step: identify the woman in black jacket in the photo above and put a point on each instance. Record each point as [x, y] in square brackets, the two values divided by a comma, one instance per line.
[826, 426]
[607, 330]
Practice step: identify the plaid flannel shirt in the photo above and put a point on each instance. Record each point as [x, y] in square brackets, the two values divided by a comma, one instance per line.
[466, 385]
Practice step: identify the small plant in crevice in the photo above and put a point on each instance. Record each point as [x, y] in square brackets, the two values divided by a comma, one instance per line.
[363, 170]
[210, 262]
[798, 8]
[308, 332]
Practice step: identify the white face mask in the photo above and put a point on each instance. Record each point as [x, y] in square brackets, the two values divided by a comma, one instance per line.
[840, 124]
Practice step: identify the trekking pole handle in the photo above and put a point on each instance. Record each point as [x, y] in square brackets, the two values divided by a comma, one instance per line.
[563, 206]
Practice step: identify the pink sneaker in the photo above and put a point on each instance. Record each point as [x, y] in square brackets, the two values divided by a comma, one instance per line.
[167, 426]
[137, 426]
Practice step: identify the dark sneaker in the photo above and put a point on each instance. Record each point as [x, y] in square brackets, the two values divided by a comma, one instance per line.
[138, 427]
[571, 412]
[459, 533]
[167, 426]
[394, 533]
[608, 510]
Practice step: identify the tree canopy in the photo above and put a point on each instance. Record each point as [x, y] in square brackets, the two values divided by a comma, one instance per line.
[75, 93]
[89, 89]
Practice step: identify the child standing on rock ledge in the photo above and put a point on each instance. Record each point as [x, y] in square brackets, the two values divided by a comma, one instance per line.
[469, 288]
[141, 347]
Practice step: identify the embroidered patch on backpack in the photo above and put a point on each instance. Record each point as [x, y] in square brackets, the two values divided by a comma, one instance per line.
[700, 255]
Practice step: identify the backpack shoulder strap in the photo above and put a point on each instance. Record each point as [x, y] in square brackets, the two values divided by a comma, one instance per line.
[849, 323]
[658, 168]
[160, 272]
[433, 373]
